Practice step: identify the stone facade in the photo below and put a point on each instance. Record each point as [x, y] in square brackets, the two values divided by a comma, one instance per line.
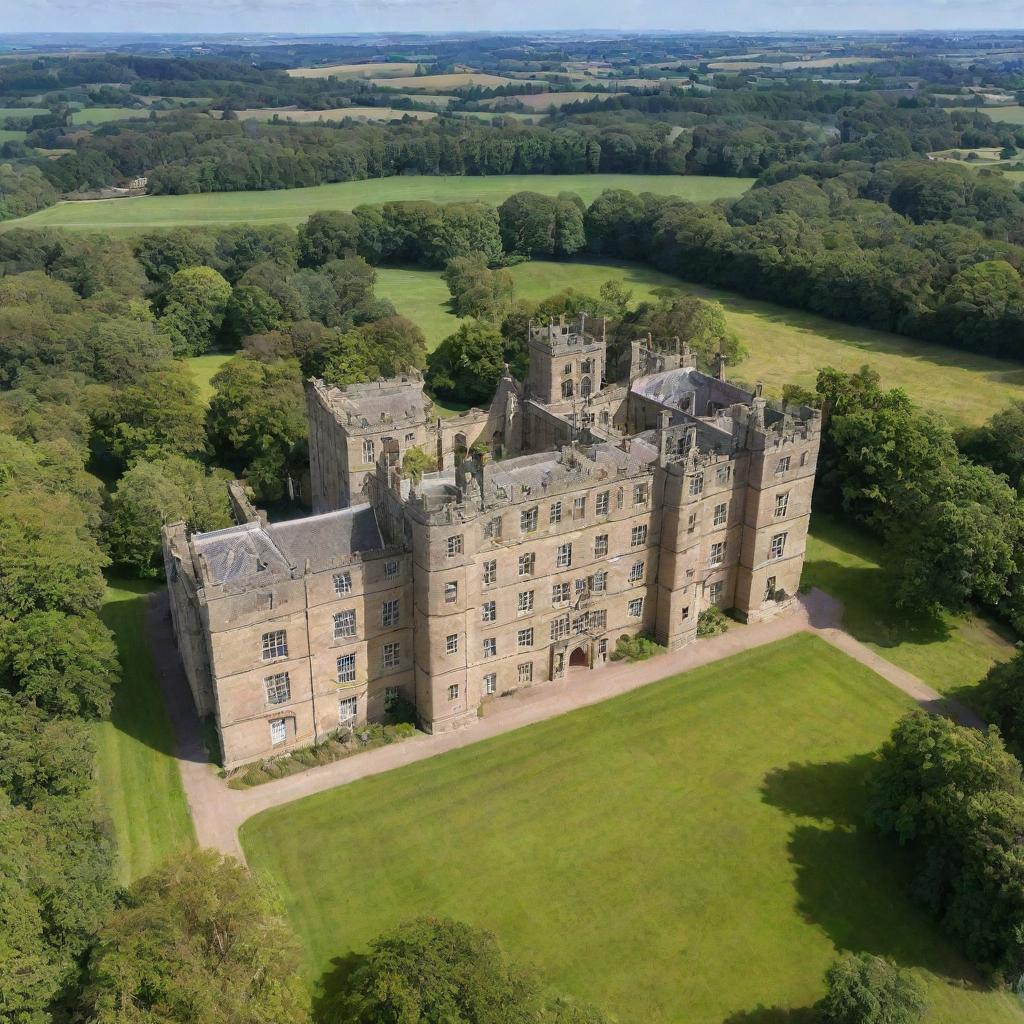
[570, 513]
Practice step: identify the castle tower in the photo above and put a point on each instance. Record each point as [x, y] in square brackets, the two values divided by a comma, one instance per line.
[567, 360]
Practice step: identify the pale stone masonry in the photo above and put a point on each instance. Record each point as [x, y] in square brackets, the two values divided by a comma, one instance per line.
[570, 513]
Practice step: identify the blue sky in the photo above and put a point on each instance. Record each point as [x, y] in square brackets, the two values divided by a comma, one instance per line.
[441, 15]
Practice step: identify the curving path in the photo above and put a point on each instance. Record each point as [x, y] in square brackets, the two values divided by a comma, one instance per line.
[218, 811]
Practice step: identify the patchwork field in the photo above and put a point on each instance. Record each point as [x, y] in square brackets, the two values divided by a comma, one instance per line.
[102, 115]
[139, 782]
[690, 851]
[22, 111]
[380, 70]
[790, 65]
[333, 114]
[445, 83]
[785, 345]
[290, 206]
[1010, 115]
[546, 100]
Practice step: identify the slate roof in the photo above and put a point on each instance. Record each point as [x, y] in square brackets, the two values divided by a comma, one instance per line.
[237, 552]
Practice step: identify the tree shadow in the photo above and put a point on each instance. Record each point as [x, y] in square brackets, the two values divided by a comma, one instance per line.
[332, 985]
[774, 1015]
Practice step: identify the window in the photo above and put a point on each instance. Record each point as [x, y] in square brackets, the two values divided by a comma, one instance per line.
[598, 619]
[566, 369]
[526, 672]
[601, 545]
[636, 572]
[490, 684]
[525, 604]
[640, 494]
[391, 697]
[579, 507]
[346, 666]
[389, 613]
[783, 465]
[345, 624]
[715, 592]
[697, 485]
[581, 585]
[410, 438]
[563, 556]
[638, 535]
[493, 528]
[455, 545]
[392, 655]
[488, 611]
[691, 522]
[490, 573]
[602, 503]
[602, 649]
[275, 645]
[722, 474]
[451, 593]
[803, 458]
[451, 643]
[781, 504]
[686, 613]
[368, 447]
[599, 580]
[390, 570]
[769, 589]
[526, 564]
[556, 513]
[586, 366]
[778, 548]
[560, 627]
[567, 389]
[524, 638]
[279, 688]
[490, 647]
[453, 692]
[635, 608]
[717, 556]
[721, 514]
[585, 387]
[278, 730]
[560, 593]
[348, 709]
[343, 583]
[528, 520]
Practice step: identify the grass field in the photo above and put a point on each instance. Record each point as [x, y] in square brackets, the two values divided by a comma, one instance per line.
[444, 83]
[139, 781]
[951, 653]
[203, 368]
[546, 100]
[292, 205]
[12, 135]
[687, 852]
[22, 111]
[381, 70]
[785, 345]
[333, 114]
[1009, 114]
[101, 115]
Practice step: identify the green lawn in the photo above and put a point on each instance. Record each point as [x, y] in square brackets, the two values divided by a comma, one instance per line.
[1008, 115]
[785, 345]
[101, 115]
[686, 852]
[139, 781]
[951, 653]
[293, 205]
[203, 368]
[22, 111]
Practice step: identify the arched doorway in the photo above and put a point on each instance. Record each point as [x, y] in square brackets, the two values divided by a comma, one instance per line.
[579, 658]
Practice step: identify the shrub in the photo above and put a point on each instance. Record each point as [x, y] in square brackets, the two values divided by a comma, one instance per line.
[711, 621]
[635, 648]
[865, 989]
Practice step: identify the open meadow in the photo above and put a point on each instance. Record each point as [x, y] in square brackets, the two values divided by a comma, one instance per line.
[103, 115]
[294, 205]
[369, 70]
[332, 114]
[784, 345]
[691, 851]
[1013, 114]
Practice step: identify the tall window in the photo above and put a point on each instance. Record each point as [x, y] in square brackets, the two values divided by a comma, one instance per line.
[490, 647]
[778, 548]
[455, 545]
[525, 603]
[560, 627]
[556, 513]
[451, 592]
[721, 514]
[390, 570]
[715, 592]
[490, 684]
[636, 572]
[493, 528]
[601, 545]
[343, 583]
[278, 730]
[560, 593]
[392, 655]
[567, 389]
[599, 580]
[528, 520]
[769, 589]
[348, 710]
[368, 448]
[638, 535]
[275, 645]
[526, 672]
[691, 522]
[453, 692]
[602, 503]
[782, 466]
[563, 556]
[717, 553]
[781, 504]
[526, 564]
[585, 387]
[345, 624]
[579, 507]
[640, 494]
[723, 473]
[389, 613]
[490, 573]
[451, 643]
[346, 666]
[488, 611]
[279, 688]
[696, 484]
[635, 608]
[524, 638]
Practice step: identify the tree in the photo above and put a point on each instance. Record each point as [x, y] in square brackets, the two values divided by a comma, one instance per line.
[999, 697]
[329, 235]
[475, 289]
[250, 310]
[999, 443]
[865, 989]
[198, 941]
[193, 309]
[66, 664]
[416, 462]
[468, 364]
[152, 494]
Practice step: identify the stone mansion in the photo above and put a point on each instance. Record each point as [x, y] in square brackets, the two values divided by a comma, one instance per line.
[575, 510]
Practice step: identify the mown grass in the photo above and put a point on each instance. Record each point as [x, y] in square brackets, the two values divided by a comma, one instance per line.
[203, 368]
[950, 652]
[290, 206]
[784, 345]
[103, 115]
[689, 851]
[140, 785]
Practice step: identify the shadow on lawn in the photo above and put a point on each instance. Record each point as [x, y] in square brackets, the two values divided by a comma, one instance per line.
[774, 1015]
[852, 884]
[332, 984]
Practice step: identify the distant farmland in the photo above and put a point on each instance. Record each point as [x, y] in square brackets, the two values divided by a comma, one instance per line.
[380, 70]
[545, 100]
[333, 114]
[445, 83]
